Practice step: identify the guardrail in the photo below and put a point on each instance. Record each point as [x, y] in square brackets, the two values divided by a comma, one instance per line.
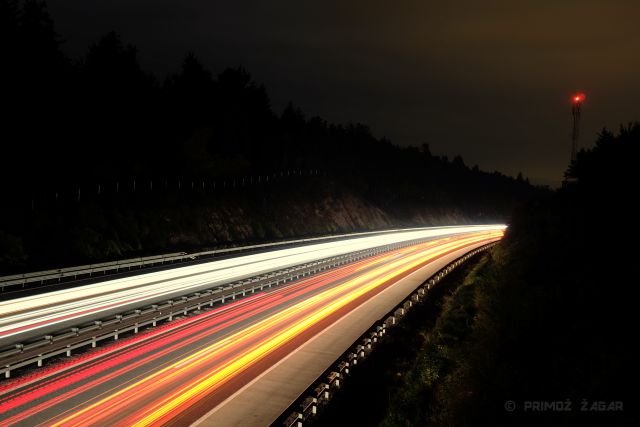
[89, 334]
[103, 268]
[319, 394]
[89, 269]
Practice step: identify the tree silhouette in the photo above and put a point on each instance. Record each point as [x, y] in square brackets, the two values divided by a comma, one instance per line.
[118, 109]
[103, 120]
[39, 43]
[610, 165]
[192, 94]
[8, 25]
[33, 78]
[9, 46]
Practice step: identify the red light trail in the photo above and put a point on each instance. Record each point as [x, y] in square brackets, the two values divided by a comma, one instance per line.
[169, 373]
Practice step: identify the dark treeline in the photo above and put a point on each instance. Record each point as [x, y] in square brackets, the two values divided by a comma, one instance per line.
[550, 317]
[103, 119]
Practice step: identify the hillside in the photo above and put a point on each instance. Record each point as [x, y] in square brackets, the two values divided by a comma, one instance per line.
[106, 161]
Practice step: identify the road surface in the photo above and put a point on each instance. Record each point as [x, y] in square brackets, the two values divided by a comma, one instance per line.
[178, 372]
[38, 315]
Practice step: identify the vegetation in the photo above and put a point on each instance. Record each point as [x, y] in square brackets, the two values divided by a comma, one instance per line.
[441, 354]
[102, 157]
[548, 318]
[365, 396]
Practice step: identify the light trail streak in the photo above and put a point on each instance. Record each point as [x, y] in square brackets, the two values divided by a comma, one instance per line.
[156, 380]
[35, 316]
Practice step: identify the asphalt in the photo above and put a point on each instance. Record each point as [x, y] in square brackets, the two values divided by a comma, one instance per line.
[263, 400]
[137, 378]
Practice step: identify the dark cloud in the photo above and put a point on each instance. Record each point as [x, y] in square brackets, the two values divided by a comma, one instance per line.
[489, 80]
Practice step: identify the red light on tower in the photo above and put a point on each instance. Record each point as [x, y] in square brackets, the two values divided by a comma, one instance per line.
[577, 99]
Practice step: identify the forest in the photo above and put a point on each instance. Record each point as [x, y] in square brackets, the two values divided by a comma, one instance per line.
[95, 145]
[547, 318]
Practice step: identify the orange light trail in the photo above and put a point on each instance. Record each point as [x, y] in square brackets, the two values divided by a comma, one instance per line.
[273, 320]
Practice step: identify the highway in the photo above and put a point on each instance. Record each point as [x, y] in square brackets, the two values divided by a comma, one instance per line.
[175, 373]
[35, 316]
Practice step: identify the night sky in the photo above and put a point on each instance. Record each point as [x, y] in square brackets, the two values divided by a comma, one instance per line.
[485, 79]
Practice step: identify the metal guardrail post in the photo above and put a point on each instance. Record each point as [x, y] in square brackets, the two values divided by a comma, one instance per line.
[132, 321]
[321, 391]
[90, 269]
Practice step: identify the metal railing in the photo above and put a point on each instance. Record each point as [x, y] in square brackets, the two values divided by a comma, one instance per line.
[90, 333]
[90, 270]
[319, 394]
